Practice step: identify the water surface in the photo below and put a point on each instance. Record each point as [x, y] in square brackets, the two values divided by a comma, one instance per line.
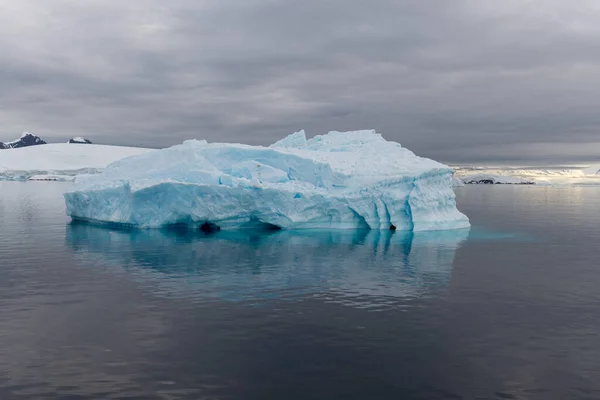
[507, 310]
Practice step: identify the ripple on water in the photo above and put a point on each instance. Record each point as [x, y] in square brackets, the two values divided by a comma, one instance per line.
[507, 309]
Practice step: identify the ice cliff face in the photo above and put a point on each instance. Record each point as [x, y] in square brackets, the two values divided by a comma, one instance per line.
[339, 180]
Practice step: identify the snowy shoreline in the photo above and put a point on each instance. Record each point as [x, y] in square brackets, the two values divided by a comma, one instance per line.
[61, 161]
[541, 176]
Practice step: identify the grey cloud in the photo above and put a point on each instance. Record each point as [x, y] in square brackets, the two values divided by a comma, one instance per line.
[461, 81]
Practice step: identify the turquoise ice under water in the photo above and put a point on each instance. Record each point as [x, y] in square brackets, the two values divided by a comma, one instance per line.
[508, 309]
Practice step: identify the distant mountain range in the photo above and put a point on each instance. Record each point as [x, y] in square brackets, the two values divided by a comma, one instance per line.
[29, 139]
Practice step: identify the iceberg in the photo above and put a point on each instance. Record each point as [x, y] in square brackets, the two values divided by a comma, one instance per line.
[341, 180]
[456, 182]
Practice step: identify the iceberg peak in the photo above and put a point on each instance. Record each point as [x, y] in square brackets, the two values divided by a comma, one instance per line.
[295, 140]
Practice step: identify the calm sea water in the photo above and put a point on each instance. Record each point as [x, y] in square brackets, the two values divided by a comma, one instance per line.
[507, 310]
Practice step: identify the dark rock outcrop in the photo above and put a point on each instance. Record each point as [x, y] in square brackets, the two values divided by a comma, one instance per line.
[26, 140]
[80, 140]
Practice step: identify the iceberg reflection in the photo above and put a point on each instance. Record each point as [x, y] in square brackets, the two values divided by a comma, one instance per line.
[361, 268]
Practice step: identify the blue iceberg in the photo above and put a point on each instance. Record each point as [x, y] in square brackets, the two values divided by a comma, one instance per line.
[341, 180]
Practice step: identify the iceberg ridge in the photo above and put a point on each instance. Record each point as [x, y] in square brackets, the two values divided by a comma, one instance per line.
[341, 180]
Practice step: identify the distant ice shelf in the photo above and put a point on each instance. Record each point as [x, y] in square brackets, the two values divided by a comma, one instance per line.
[573, 175]
[59, 162]
[495, 179]
[341, 180]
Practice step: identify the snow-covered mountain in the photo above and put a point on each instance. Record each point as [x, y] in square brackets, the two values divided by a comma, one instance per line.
[80, 140]
[27, 139]
[60, 161]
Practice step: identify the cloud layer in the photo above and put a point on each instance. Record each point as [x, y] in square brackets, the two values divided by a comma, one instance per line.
[461, 81]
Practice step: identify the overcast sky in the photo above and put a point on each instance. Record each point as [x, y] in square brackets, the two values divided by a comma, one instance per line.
[458, 80]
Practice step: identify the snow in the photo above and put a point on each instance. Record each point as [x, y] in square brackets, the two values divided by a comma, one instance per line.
[26, 139]
[339, 180]
[456, 182]
[495, 179]
[52, 178]
[552, 175]
[592, 170]
[60, 159]
[23, 135]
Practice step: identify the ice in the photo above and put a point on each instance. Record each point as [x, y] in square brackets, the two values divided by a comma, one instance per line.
[486, 178]
[549, 175]
[339, 180]
[457, 182]
[592, 169]
[27, 163]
